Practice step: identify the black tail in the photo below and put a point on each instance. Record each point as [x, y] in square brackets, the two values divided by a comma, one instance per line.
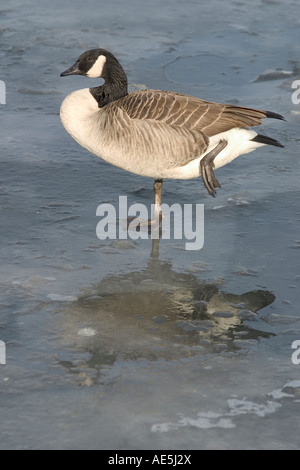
[263, 139]
[270, 114]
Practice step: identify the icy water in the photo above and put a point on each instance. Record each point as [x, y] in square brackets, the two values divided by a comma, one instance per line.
[106, 346]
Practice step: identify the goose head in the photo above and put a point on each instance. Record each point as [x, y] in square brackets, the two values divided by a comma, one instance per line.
[95, 63]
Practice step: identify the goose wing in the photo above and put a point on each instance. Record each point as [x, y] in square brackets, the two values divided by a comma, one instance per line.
[149, 146]
[169, 128]
[184, 111]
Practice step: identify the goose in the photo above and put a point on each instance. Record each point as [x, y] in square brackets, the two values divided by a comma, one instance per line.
[154, 133]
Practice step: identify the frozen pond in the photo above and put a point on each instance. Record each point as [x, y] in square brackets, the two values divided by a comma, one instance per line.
[106, 346]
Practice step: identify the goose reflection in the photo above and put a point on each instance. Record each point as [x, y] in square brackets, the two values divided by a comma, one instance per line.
[158, 313]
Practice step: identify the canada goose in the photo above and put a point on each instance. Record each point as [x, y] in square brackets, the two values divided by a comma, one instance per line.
[154, 133]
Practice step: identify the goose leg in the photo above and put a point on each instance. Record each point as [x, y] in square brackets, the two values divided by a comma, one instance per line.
[207, 168]
[156, 219]
[157, 215]
[153, 224]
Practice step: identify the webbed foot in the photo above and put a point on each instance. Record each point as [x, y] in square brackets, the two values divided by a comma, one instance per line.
[207, 168]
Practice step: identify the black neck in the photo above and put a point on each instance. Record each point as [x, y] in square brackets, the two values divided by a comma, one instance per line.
[113, 88]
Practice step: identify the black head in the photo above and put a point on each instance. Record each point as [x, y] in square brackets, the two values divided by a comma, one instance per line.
[98, 63]
[94, 64]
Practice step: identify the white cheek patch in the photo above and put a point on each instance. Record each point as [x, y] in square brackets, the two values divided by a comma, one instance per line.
[96, 70]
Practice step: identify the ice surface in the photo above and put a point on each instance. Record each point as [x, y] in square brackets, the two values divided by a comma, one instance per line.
[106, 346]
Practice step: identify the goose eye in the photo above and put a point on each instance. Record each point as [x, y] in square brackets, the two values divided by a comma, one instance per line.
[90, 59]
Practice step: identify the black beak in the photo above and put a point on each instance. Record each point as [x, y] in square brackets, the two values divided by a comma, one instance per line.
[73, 70]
